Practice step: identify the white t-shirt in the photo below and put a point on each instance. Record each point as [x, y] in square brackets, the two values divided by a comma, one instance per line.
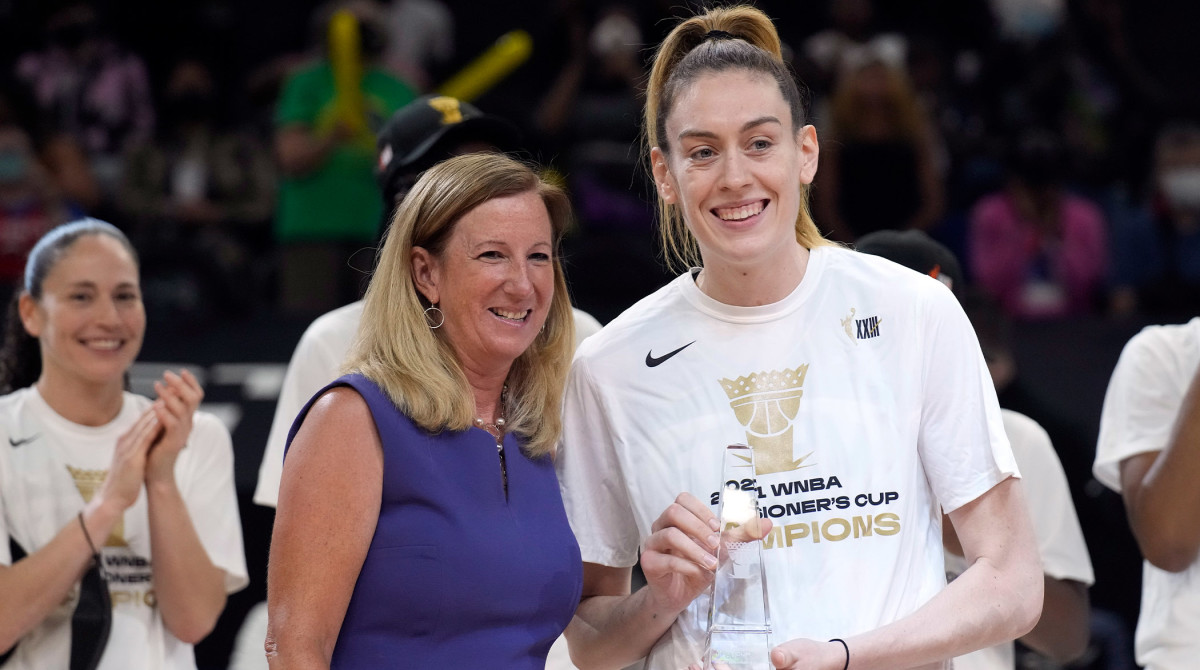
[868, 405]
[315, 363]
[50, 467]
[1140, 407]
[1060, 539]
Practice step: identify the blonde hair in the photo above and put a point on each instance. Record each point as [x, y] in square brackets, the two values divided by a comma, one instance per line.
[414, 365]
[689, 52]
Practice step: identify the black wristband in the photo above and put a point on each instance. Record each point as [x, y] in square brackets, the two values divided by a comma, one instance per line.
[846, 665]
[88, 536]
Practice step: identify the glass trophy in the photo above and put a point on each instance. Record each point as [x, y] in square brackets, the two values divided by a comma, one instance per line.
[739, 618]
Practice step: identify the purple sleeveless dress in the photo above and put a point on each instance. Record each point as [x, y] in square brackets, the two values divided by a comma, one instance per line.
[458, 576]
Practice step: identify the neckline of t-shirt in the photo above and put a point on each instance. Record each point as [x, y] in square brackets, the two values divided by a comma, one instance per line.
[817, 260]
[61, 423]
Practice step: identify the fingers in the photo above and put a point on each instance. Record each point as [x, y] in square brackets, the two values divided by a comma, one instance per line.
[169, 396]
[781, 658]
[133, 445]
[755, 529]
[688, 514]
[179, 396]
[184, 387]
[686, 529]
[192, 384]
[168, 413]
[670, 551]
[141, 434]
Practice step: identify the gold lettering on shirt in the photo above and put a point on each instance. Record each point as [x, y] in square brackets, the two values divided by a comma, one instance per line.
[88, 482]
[834, 529]
[766, 403]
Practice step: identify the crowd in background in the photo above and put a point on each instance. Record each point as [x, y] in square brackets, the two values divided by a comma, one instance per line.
[1054, 145]
[1049, 143]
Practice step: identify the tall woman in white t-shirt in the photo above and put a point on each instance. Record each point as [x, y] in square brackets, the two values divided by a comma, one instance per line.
[89, 469]
[732, 159]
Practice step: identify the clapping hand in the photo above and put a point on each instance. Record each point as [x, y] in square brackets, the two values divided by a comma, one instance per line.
[123, 483]
[178, 397]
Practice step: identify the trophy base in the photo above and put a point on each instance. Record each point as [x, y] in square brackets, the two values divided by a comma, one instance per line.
[741, 649]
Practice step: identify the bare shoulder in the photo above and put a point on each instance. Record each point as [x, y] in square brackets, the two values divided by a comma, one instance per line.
[338, 431]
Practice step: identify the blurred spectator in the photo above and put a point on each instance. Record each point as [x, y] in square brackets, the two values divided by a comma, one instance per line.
[592, 112]
[329, 203]
[1028, 20]
[880, 171]
[199, 192]
[29, 204]
[588, 120]
[1036, 247]
[849, 39]
[90, 89]
[420, 40]
[1156, 239]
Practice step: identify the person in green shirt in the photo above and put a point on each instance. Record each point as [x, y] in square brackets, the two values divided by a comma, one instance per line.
[329, 203]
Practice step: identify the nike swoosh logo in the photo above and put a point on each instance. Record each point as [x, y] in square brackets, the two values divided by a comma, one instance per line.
[651, 361]
[17, 443]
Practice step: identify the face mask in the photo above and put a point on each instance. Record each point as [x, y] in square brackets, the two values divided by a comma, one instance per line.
[1181, 188]
[13, 166]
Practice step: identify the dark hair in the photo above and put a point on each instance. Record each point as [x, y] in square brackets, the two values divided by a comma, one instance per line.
[725, 38]
[20, 356]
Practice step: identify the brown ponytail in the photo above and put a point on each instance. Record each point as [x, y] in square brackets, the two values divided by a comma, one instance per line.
[745, 39]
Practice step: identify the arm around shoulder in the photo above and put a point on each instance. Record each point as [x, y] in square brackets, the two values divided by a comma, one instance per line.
[328, 507]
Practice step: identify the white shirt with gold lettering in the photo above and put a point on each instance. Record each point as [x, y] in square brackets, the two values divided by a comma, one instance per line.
[49, 468]
[869, 408]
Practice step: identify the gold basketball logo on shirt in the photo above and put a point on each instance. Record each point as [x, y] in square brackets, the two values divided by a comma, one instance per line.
[88, 482]
[766, 403]
[847, 325]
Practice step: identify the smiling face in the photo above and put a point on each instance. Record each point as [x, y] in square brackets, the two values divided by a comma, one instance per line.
[735, 167]
[493, 281]
[90, 319]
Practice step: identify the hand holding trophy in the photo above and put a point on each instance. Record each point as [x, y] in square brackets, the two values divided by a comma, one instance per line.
[739, 621]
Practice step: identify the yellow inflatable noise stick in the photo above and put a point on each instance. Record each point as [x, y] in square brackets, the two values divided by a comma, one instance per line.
[345, 58]
[509, 52]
